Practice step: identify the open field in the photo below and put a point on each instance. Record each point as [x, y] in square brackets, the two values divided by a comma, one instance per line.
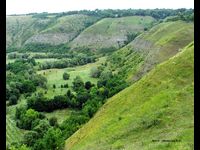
[61, 115]
[55, 76]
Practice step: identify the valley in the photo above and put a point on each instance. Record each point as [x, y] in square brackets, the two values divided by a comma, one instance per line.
[98, 80]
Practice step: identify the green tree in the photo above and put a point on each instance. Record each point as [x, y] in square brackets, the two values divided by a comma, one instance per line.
[53, 139]
[12, 100]
[78, 83]
[53, 121]
[41, 128]
[88, 85]
[30, 138]
[66, 76]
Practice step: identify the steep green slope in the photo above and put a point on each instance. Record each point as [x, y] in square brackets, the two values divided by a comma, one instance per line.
[150, 48]
[156, 108]
[110, 33]
[65, 29]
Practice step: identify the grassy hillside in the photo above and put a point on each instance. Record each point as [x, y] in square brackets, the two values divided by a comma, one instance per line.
[158, 107]
[22, 30]
[111, 32]
[152, 47]
[63, 30]
[18, 30]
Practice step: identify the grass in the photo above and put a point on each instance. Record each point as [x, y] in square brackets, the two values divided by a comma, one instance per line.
[107, 32]
[157, 107]
[152, 47]
[13, 133]
[43, 60]
[21, 30]
[54, 76]
[61, 115]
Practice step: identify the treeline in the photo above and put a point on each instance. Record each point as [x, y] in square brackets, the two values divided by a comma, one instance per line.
[82, 93]
[156, 13]
[64, 63]
[41, 47]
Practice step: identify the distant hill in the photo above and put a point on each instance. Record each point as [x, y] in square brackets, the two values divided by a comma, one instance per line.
[23, 30]
[145, 115]
[63, 30]
[151, 47]
[111, 33]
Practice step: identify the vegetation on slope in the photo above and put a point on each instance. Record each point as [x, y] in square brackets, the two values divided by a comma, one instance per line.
[50, 30]
[158, 107]
[20, 28]
[150, 48]
[111, 33]
[13, 134]
[63, 30]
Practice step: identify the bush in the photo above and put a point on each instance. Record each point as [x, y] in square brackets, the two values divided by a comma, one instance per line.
[88, 85]
[95, 72]
[13, 100]
[78, 83]
[66, 76]
[65, 86]
[53, 121]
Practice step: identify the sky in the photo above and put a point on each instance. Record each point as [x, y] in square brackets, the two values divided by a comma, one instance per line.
[51, 6]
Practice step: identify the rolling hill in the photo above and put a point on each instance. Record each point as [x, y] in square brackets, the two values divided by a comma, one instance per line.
[63, 30]
[26, 29]
[150, 48]
[154, 113]
[110, 33]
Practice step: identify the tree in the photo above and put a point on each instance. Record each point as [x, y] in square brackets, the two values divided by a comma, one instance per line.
[19, 112]
[53, 139]
[78, 83]
[65, 76]
[22, 147]
[28, 86]
[30, 137]
[88, 85]
[42, 128]
[66, 85]
[13, 100]
[54, 86]
[53, 121]
[27, 121]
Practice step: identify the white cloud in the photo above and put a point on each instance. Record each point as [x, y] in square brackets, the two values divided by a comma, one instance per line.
[28, 6]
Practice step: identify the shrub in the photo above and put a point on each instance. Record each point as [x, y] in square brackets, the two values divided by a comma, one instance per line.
[65, 76]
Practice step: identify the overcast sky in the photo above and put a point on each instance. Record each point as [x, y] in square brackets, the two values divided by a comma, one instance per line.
[29, 6]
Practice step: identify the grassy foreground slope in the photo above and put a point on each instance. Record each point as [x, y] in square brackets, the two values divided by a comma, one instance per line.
[111, 32]
[152, 47]
[158, 107]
